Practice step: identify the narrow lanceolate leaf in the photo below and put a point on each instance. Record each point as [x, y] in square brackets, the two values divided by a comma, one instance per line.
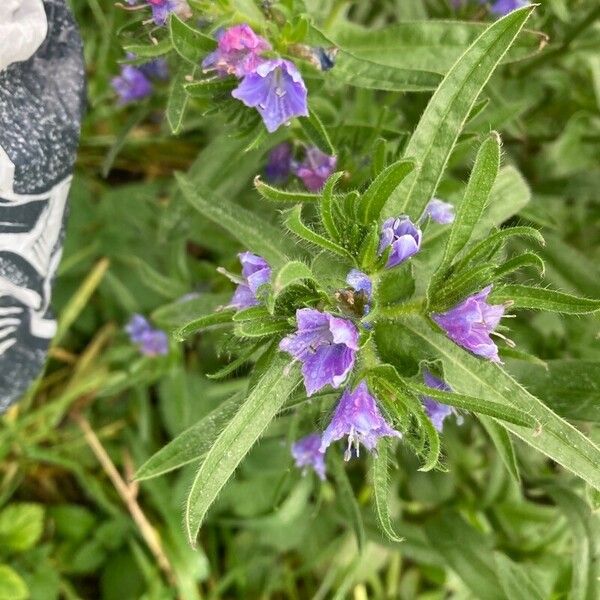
[190, 44]
[476, 405]
[523, 296]
[450, 106]
[150, 50]
[585, 529]
[326, 207]
[471, 375]
[315, 131]
[381, 488]
[192, 444]
[527, 259]
[202, 322]
[269, 192]
[363, 73]
[245, 226]
[516, 580]
[372, 201]
[208, 87]
[471, 207]
[294, 223]
[291, 273]
[235, 440]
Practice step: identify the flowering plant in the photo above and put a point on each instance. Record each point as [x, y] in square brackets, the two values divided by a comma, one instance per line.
[349, 296]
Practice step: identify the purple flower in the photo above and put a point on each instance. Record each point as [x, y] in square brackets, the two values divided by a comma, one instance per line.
[279, 164]
[276, 89]
[306, 453]
[255, 272]
[315, 169]
[360, 282]
[436, 411]
[238, 51]
[357, 416]
[470, 323]
[162, 8]
[403, 236]
[131, 85]
[503, 7]
[326, 345]
[439, 211]
[150, 341]
[155, 69]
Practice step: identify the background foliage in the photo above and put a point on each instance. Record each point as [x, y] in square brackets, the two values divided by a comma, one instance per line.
[495, 520]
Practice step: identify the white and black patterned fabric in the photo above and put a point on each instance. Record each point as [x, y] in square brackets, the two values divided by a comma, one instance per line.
[42, 92]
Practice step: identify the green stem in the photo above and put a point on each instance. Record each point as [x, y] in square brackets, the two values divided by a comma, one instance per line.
[396, 311]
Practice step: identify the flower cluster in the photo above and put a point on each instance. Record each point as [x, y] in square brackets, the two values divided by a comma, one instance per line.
[150, 341]
[135, 82]
[273, 86]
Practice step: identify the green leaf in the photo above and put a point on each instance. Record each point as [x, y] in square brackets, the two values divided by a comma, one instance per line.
[468, 374]
[372, 201]
[193, 443]
[359, 72]
[585, 529]
[245, 226]
[381, 487]
[150, 50]
[235, 440]
[527, 259]
[569, 387]
[21, 526]
[482, 250]
[207, 88]
[268, 192]
[476, 405]
[347, 499]
[12, 586]
[504, 446]
[467, 552]
[447, 111]
[316, 133]
[181, 312]
[430, 46]
[293, 222]
[291, 273]
[515, 580]
[189, 43]
[470, 209]
[177, 101]
[523, 296]
[244, 357]
[261, 328]
[326, 206]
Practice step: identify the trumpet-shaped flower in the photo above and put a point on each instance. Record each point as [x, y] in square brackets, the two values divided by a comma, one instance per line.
[255, 272]
[326, 346]
[307, 454]
[315, 169]
[402, 236]
[470, 323]
[238, 51]
[358, 417]
[436, 411]
[277, 91]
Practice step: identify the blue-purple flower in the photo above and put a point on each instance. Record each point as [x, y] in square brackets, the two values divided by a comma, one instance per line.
[361, 282]
[358, 417]
[255, 273]
[307, 453]
[402, 236]
[277, 91]
[150, 341]
[155, 69]
[503, 7]
[436, 411]
[470, 323]
[439, 211]
[162, 8]
[315, 169]
[131, 85]
[326, 346]
[279, 163]
[238, 51]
